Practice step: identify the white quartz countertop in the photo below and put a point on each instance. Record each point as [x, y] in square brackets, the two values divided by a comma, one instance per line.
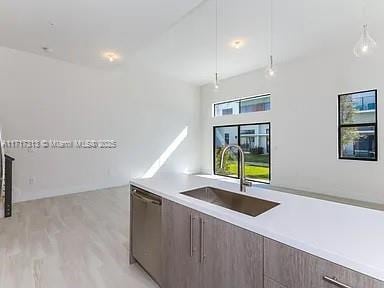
[346, 235]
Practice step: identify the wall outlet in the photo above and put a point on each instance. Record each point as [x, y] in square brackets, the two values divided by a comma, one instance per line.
[31, 180]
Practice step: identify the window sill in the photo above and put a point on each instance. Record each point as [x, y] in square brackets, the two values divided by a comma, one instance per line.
[230, 179]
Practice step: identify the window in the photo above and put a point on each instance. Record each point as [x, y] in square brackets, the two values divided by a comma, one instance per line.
[255, 141]
[255, 104]
[235, 107]
[358, 126]
[228, 111]
[228, 108]
[226, 137]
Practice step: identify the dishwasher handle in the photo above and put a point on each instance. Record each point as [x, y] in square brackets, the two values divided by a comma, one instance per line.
[144, 198]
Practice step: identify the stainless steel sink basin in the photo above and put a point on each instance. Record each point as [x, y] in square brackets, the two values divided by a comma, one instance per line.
[237, 202]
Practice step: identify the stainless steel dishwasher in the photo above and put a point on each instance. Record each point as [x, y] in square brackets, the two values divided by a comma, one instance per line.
[146, 231]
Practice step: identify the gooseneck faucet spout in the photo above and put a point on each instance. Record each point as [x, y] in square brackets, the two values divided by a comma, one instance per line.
[243, 181]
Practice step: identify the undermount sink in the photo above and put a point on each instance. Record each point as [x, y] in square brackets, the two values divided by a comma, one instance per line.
[241, 203]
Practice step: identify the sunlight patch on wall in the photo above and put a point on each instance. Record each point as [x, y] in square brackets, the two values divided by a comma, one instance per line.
[166, 154]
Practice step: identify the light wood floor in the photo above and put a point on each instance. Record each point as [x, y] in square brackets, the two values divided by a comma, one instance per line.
[74, 241]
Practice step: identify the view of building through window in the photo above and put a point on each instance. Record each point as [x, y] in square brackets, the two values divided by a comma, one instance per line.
[357, 126]
[255, 141]
[246, 105]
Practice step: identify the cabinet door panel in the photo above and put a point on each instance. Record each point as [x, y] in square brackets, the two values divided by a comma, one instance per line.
[297, 269]
[269, 283]
[233, 256]
[180, 269]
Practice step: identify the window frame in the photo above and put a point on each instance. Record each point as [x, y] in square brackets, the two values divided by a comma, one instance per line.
[341, 126]
[239, 100]
[238, 143]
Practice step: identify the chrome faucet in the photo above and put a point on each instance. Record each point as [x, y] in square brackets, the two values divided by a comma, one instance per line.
[243, 182]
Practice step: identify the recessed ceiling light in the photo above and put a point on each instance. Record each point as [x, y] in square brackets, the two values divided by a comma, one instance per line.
[238, 43]
[111, 56]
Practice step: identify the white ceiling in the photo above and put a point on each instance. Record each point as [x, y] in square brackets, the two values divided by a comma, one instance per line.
[176, 37]
[301, 27]
[84, 29]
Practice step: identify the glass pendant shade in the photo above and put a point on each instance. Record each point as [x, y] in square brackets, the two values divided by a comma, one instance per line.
[270, 71]
[366, 45]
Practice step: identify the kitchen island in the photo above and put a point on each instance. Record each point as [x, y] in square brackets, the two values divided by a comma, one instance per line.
[349, 236]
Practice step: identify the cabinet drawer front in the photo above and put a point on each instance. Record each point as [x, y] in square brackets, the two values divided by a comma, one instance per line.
[296, 269]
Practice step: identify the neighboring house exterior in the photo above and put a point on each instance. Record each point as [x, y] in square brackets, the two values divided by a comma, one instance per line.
[253, 138]
[225, 136]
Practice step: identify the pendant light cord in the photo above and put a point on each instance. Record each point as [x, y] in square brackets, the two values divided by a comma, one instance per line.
[365, 14]
[217, 37]
[270, 29]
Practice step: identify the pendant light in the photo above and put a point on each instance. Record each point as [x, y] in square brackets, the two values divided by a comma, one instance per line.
[366, 45]
[270, 71]
[216, 83]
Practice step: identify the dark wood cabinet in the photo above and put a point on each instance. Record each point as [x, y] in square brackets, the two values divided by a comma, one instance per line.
[233, 256]
[180, 242]
[202, 251]
[294, 268]
[269, 283]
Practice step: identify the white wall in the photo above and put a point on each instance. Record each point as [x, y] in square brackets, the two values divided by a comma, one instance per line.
[42, 98]
[304, 122]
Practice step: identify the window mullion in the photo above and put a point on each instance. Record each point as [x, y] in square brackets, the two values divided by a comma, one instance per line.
[238, 152]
